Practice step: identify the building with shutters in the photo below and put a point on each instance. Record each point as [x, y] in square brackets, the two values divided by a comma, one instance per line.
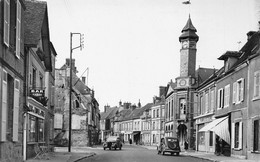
[11, 79]
[253, 127]
[39, 79]
[232, 129]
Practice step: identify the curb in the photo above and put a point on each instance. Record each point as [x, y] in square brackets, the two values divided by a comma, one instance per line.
[203, 158]
[84, 157]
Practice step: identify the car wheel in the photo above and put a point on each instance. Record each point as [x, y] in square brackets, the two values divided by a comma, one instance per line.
[104, 148]
[163, 152]
[109, 148]
[177, 153]
[120, 148]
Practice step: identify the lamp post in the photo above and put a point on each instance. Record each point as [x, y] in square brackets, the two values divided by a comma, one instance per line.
[71, 50]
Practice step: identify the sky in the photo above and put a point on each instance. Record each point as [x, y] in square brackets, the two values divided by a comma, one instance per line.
[131, 47]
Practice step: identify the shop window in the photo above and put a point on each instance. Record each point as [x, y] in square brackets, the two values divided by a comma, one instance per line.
[35, 129]
[32, 129]
[40, 130]
[256, 144]
[201, 135]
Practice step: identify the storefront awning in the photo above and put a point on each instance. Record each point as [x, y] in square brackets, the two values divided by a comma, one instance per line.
[222, 130]
[212, 124]
[220, 127]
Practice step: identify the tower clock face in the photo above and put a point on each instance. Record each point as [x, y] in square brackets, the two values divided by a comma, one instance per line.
[182, 82]
[185, 44]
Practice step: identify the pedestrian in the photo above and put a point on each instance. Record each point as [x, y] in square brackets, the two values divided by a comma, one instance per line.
[186, 145]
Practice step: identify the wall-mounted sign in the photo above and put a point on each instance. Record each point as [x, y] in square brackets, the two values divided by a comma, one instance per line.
[37, 92]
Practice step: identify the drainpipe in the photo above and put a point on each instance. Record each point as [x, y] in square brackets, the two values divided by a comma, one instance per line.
[248, 99]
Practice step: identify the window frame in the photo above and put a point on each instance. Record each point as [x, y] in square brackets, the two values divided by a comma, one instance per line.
[6, 28]
[240, 90]
[18, 29]
[220, 103]
[226, 96]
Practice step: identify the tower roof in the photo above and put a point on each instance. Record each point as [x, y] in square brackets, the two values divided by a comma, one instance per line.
[189, 31]
[189, 26]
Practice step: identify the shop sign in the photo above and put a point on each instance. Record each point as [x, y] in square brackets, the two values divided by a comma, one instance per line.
[204, 120]
[37, 92]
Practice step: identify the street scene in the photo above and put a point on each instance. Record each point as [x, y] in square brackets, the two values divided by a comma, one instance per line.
[129, 80]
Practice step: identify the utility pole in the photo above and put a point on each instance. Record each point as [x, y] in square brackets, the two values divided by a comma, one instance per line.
[71, 50]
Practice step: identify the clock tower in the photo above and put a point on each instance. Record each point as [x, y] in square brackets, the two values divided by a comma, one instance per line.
[188, 40]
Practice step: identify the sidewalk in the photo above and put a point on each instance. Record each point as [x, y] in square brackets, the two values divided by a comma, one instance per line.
[207, 156]
[61, 154]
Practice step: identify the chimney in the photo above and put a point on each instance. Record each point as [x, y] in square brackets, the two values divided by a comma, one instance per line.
[74, 69]
[106, 107]
[84, 80]
[162, 91]
[133, 107]
[249, 34]
[120, 103]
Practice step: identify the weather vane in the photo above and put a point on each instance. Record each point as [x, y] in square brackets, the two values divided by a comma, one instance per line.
[187, 3]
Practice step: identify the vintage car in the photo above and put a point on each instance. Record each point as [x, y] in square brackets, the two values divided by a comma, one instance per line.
[170, 145]
[113, 142]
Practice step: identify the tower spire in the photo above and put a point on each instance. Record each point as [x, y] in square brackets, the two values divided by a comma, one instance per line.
[189, 31]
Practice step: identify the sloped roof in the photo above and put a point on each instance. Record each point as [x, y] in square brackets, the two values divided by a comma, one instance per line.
[203, 74]
[136, 113]
[189, 26]
[189, 31]
[34, 16]
[247, 50]
[228, 54]
[110, 112]
[123, 114]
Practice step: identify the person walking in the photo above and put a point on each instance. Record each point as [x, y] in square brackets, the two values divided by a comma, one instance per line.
[186, 145]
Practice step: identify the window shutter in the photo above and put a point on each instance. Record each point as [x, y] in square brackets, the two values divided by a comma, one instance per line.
[240, 135]
[219, 99]
[16, 109]
[256, 84]
[4, 107]
[6, 22]
[232, 135]
[234, 92]
[242, 89]
[223, 97]
[18, 29]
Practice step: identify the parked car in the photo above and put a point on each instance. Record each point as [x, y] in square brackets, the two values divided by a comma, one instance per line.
[169, 144]
[113, 142]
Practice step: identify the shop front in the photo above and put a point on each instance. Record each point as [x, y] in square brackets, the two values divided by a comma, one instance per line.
[218, 130]
[34, 123]
[205, 139]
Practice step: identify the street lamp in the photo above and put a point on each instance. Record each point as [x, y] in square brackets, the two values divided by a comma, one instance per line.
[71, 50]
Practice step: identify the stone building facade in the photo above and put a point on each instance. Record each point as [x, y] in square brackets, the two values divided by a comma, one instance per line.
[11, 79]
[85, 110]
[39, 70]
